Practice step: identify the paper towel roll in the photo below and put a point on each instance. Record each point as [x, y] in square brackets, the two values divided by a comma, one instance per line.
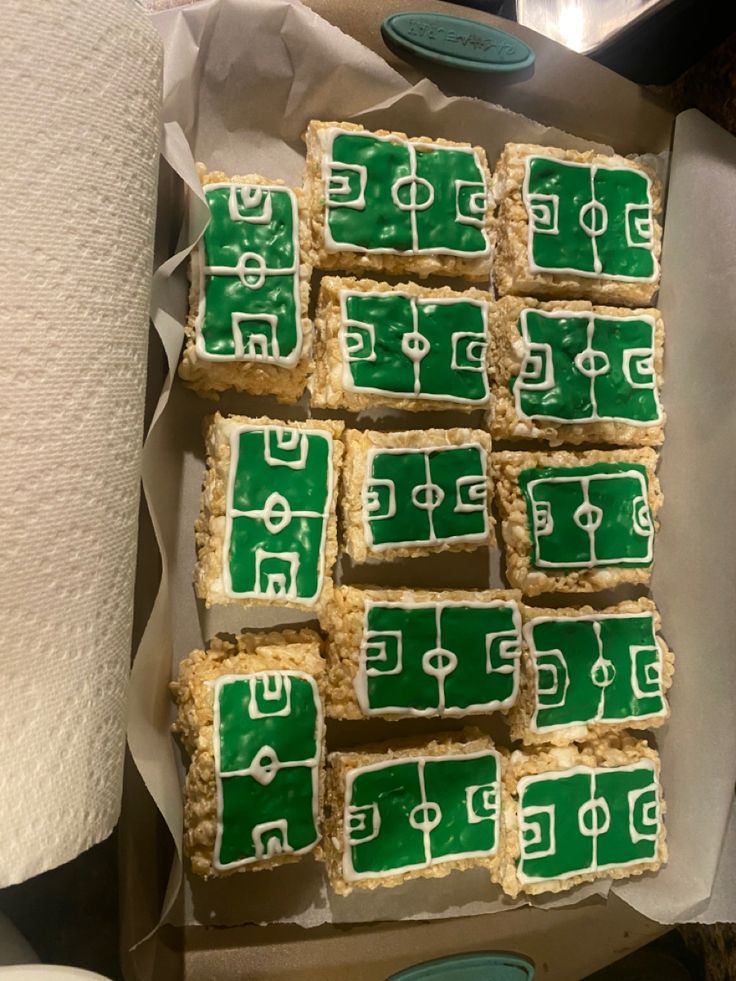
[80, 104]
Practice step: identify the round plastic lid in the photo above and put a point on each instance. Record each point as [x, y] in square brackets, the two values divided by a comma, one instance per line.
[470, 967]
[457, 41]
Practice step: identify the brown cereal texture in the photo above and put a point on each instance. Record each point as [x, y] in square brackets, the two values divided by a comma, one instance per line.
[340, 764]
[357, 446]
[511, 270]
[611, 752]
[343, 619]
[507, 354]
[326, 384]
[290, 650]
[507, 466]
[418, 265]
[210, 378]
[210, 525]
[522, 713]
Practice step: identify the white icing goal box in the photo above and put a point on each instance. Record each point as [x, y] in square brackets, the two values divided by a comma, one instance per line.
[244, 78]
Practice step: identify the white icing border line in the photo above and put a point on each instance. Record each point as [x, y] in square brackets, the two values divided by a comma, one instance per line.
[314, 764]
[290, 360]
[234, 439]
[528, 632]
[349, 873]
[433, 542]
[643, 764]
[594, 417]
[360, 682]
[534, 268]
[346, 375]
[327, 138]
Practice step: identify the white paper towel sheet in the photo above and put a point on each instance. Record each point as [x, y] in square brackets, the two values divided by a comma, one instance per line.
[242, 81]
[80, 104]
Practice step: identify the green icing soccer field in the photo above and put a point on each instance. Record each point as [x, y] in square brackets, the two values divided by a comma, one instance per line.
[587, 820]
[589, 219]
[441, 658]
[250, 308]
[604, 669]
[267, 732]
[584, 368]
[400, 345]
[275, 538]
[587, 517]
[412, 813]
[426, 496]
[387, 195]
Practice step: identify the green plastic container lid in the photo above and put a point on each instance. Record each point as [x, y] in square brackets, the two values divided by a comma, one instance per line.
[470, 967]
[457, 41]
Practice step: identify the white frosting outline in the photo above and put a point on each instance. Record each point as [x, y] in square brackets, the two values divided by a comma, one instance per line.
[643, 764]
[473, 206]
[241, 354]
[599, 718]
[314, 764]
[348, 382]
[433, 541]
[344, 185]
[530, 358]
[231, 512]
[326, 139]
[349, 873]
[546, 528]
[360, 681]
[527, 200]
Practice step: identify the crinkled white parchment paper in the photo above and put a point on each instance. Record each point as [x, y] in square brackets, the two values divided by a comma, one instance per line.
[242, 80]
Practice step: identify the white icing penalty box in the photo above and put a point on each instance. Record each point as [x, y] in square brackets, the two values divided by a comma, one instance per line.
[261, 914]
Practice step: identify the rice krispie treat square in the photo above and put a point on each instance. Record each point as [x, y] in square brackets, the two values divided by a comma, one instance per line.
[248, 327]
[577, 522]
[415, 493]
[569, 372]
[251, 719]
[267, 530]
[576, 814]
[587, 672]
[402, 653]
[406, 346]
[578, 225]
[386, 203]
[402, 811]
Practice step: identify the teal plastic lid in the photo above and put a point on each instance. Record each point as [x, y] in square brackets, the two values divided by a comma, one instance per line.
[457, 41]
[470, 967]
